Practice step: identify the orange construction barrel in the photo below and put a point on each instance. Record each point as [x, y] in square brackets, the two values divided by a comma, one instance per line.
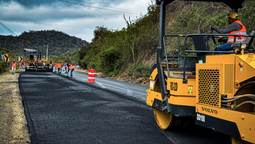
[91, 76]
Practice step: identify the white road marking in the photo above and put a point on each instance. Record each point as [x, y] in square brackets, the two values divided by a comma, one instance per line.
[128, 91]
[114, 83]
[123, 86]
[139, 93]
[100, 85]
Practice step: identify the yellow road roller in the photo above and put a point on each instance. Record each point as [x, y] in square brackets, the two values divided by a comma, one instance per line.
[216, 88]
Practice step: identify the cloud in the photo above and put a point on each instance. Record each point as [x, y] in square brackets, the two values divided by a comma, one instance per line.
[30, 3]
[75, 20]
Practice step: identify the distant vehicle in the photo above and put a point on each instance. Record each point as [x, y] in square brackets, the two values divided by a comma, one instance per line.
[36, 63]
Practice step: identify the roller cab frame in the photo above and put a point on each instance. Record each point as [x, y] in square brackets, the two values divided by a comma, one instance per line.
[43, 64]
[218, 91]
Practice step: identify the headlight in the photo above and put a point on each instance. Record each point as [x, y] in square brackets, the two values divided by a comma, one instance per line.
[151, 84]
[243, 46]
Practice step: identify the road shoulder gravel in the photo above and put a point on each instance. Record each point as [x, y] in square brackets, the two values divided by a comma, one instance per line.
[13, 124]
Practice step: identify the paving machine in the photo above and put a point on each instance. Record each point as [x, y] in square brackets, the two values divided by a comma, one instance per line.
[218, 91]
[36, 63]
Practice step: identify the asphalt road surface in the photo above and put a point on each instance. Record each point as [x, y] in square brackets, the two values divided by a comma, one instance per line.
[64, 110]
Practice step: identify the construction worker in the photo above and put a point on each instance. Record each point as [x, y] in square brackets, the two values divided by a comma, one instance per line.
[19, 65]
[55, 67]
[75, 65]
[236, 27]
[65, 67]
[13, 66]
[22, 65]
[71, 69]
[35, 63]
[59, 67]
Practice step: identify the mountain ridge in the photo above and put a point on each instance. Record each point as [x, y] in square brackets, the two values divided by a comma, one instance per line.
[58, 42]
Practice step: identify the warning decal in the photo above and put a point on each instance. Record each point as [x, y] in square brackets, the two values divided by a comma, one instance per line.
[190, 89]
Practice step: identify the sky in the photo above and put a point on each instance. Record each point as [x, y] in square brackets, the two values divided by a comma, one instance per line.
[77, 18]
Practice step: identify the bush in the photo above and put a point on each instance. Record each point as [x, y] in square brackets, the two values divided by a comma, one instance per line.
[142, 70]
[110, 61]
[3, 66]
[116, 70]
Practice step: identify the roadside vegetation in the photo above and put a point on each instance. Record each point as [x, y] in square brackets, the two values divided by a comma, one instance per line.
[71, 57]
[12, 56]
[122, 51]
[132, 50]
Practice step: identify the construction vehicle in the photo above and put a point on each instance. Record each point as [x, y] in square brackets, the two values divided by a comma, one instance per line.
[36, 63]
[218, 91]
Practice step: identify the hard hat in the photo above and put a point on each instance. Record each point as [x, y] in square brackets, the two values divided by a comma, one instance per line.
[13, 60]
[233, 15]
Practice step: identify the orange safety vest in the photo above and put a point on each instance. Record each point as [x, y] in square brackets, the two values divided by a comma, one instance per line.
[56, 64]
[35, 63]
[238, 38]
[71, 67]
[59, 65]
[14, 64]
[65, 65]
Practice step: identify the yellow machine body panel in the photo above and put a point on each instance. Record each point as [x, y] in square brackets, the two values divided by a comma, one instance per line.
[244, 121]
[245, 68]
[220, 58]
[214, 80]
[174, 99]
[244, 65]
[224, 75]
[181, 93]
[177, 87]
[151, 95]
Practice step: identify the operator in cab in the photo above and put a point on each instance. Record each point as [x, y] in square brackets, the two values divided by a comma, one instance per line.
[235, 27]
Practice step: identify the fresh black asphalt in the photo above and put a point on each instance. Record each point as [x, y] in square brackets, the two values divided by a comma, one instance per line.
[60, 110]
[64, 110]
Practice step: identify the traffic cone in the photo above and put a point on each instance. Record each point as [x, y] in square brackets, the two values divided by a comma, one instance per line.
[91, 76]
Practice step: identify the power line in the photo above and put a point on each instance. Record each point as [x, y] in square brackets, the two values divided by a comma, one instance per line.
[94, 6]
[105, 5]
[7, 28]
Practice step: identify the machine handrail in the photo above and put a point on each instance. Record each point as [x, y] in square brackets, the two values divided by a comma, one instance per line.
[178, 45]
[190, 35]
[195, 51]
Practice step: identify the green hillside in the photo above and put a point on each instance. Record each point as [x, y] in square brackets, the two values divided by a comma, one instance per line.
[132, 50]
[71, 57]
[58, 42]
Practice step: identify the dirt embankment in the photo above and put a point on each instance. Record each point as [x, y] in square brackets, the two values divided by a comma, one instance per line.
[142, 81]
[13, 124]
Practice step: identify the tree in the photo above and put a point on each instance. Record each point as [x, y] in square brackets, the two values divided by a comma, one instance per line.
[132, 38]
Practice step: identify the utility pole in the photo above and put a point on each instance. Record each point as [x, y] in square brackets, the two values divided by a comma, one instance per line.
[47, 53]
